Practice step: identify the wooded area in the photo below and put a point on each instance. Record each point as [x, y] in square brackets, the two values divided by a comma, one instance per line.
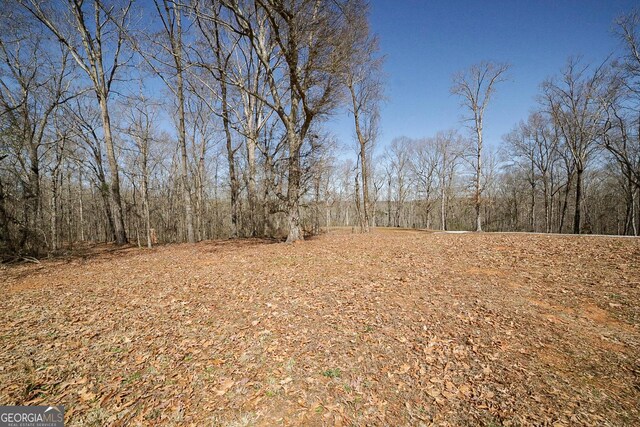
[171, 122]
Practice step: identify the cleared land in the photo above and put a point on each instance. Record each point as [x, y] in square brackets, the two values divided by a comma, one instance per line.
[391, 328]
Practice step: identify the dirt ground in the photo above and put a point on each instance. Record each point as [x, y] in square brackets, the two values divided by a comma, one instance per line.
[391, 328]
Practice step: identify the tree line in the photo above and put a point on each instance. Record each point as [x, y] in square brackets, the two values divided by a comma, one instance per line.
[171, 121]
[183, 121]
[572, 166]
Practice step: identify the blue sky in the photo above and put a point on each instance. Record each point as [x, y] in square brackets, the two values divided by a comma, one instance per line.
[425, 42]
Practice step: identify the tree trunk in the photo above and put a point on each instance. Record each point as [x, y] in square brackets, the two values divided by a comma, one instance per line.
[629, 220]
[328, 215]
[293, 189]
[478, 176]
[106, 200]
[182, 134]
[359, 212]
[365, 188]
[565, 203]
[114, 189]
[233, 179]
[266, 213]
[201, 195]
[34, 200]
[251, 184]
[547, 210]
[145, 196]
[347, 221]
[532, 212]
[389, 201]
[634, 210]
[233, 182]
[80, 205]
[443, 203]
[69, 216]
[54, 212]
[577, 213]
[364, 226]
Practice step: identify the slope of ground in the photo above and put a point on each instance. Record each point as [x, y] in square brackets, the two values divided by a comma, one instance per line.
[405, 328]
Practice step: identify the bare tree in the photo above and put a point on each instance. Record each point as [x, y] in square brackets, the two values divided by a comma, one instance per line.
[476, 86]
[237, 82]
[56, 176]
[365, 89]
[621, 132]
[202, 134]
[621, 138]
[575, 104]
[252, 115]
[449, 147]
[32, 89]
[311, 39]
[532, 145]
[169, 54]
[424, 161]
[399, 164]
[84, 119]
[96, 45]
[142, 114]
[222, 65]
[628, 30]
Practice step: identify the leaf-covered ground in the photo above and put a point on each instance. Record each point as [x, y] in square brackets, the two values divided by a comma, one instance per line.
[391, 328]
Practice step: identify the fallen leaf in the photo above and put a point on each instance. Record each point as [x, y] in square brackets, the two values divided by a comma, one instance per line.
[464, 389]
[225, 386]
[404, 369]
[433, 392]
[286, 381]
[86, 395]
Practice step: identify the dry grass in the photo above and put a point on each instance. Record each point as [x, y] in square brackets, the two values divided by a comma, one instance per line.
[406, 328]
